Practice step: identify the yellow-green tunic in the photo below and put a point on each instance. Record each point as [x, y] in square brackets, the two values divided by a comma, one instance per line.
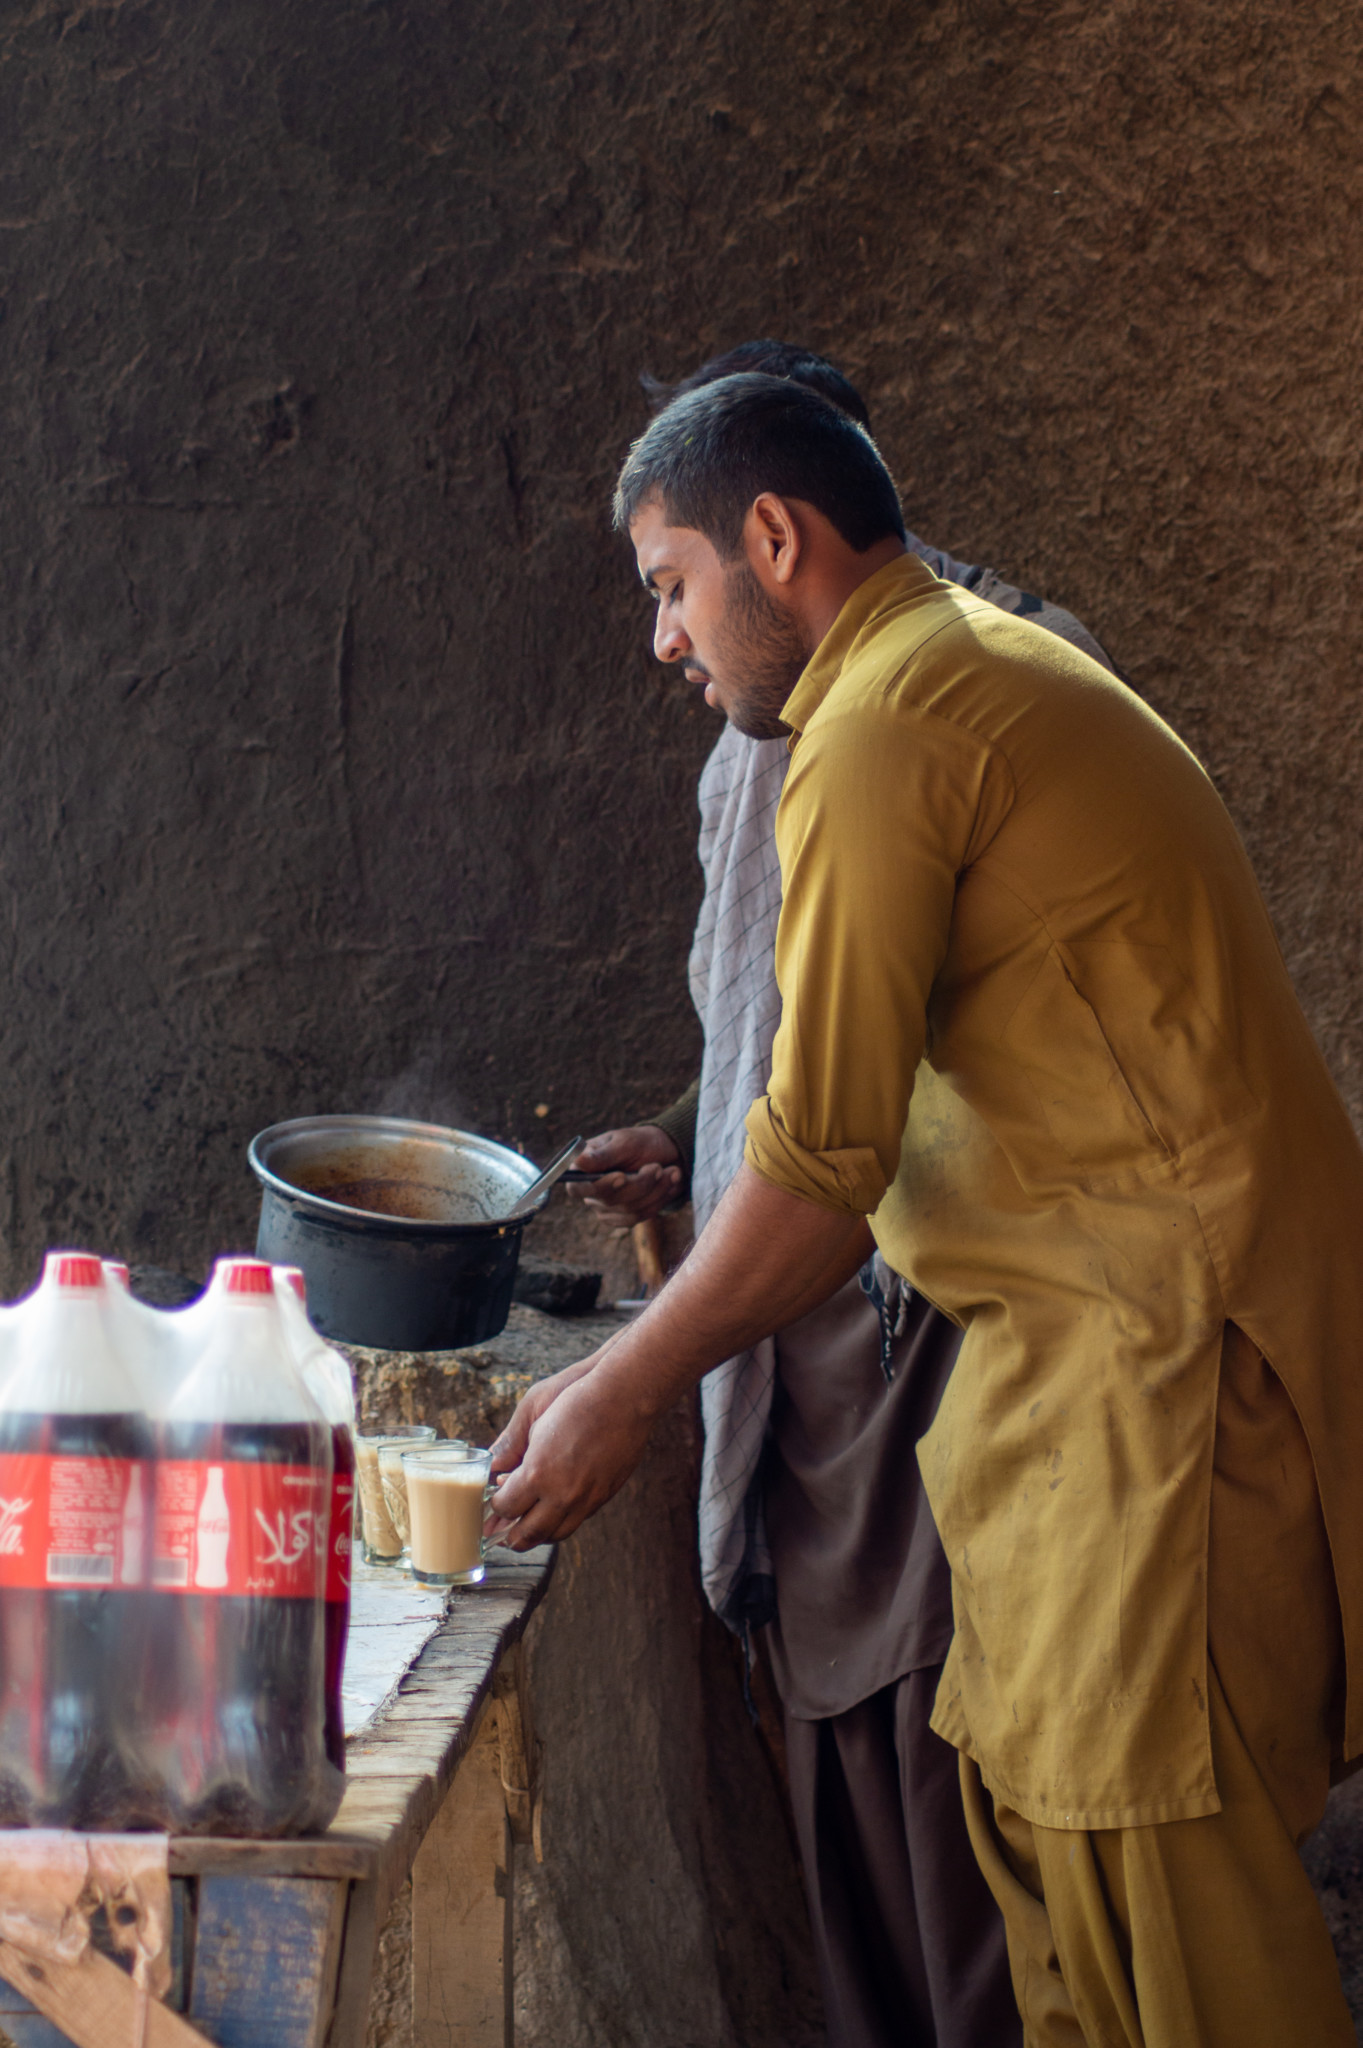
[1037, 1026]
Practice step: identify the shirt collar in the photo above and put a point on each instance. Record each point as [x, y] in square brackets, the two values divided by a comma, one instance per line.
[903, 578]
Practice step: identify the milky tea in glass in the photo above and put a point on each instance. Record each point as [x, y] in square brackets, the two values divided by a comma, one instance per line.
[382, 1542]
[446, 1493]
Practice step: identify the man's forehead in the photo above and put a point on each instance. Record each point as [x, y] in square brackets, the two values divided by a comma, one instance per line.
[659, 546]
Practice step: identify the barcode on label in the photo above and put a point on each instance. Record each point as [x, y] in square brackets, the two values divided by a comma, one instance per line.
[96, 1571]
[170, 1571]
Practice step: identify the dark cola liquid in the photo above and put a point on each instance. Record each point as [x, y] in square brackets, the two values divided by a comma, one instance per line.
[71, 1750]
[338, 1612]
[236, 1681]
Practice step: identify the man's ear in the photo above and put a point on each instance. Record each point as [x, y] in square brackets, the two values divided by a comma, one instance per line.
[772, 538]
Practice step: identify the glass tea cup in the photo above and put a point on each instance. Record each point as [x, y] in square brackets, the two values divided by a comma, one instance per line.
[393, 1480]
[381, 1543]
[447, 1490]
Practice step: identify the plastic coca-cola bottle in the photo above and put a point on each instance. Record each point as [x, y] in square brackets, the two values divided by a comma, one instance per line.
[74, 1495]
[243, 1484]
[155, 1344]
[328, 1381]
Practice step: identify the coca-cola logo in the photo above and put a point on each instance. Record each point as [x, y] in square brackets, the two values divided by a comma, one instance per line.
[289, 1536]
[11, 1527]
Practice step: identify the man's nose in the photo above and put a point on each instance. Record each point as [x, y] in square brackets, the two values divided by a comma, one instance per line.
[670, 642]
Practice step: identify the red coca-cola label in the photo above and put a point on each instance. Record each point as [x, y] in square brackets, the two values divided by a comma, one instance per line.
[342, 1535]
[239, 1528]
[71, 1522]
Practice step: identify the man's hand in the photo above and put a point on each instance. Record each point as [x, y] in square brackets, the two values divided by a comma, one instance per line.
[582, 1447]
[644, 1173]
[510, 1446]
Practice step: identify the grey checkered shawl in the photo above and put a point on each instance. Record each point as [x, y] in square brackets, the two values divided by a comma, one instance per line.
[733, 986]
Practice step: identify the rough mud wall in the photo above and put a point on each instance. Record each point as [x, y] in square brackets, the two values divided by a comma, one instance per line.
[335, 770]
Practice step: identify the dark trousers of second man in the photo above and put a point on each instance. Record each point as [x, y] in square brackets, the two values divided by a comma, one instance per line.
[909, 1942]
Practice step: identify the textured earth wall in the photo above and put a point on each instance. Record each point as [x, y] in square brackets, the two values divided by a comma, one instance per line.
[336, 771]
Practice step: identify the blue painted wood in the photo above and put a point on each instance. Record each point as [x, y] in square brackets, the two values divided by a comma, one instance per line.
[265, 1958]
[28, 2029]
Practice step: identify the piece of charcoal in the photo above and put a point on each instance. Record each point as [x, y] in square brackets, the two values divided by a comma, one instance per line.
[558, 1289]
[160, 1288]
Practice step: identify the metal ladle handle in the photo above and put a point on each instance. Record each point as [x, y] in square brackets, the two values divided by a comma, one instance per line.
[523, 1204]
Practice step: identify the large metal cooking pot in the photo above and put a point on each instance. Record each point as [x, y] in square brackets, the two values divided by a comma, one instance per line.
[394, 1225]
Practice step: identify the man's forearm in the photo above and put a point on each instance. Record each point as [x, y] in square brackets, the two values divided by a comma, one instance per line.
[764, 1259]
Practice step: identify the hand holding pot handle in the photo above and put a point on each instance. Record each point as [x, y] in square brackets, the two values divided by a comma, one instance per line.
[640, 1169]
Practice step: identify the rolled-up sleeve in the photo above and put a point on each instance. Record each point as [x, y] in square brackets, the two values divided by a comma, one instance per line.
[883, 808]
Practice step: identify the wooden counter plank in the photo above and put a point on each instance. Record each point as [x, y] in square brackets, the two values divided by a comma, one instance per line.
[346, 1854]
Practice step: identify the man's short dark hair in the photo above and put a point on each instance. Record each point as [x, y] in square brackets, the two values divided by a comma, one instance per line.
[712, 451]
[773, 359]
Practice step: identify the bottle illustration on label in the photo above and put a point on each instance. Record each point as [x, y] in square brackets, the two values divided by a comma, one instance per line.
[133, 1542]
[212, 1533]
[12, 1514]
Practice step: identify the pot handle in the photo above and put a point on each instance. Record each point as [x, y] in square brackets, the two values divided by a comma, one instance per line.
[523, 1204]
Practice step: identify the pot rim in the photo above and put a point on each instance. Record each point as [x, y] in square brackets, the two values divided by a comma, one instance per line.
[369, 1220]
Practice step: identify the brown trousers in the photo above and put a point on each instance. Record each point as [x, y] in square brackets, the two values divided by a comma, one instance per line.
[1205, 1933]
[909, 1944]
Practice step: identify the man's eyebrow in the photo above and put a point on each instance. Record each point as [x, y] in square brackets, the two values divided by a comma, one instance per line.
[649, 581]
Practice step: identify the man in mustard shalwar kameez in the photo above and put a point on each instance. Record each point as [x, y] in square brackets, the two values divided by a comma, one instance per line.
[1037, 1029]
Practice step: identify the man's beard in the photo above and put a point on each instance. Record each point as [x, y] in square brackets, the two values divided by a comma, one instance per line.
[761, 648]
